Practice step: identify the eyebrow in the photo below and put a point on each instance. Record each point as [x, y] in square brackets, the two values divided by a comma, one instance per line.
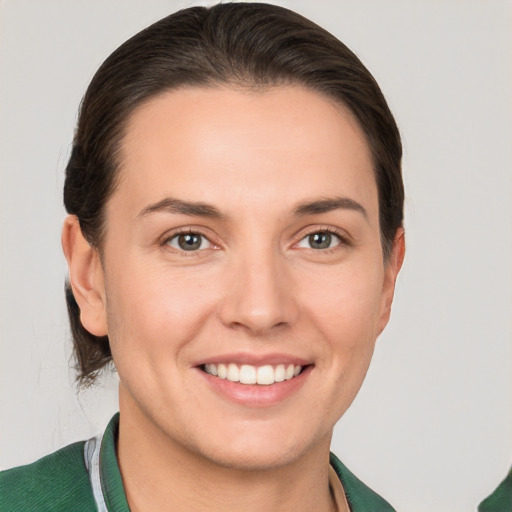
[198, 209]
[328, 204]
[172, 205]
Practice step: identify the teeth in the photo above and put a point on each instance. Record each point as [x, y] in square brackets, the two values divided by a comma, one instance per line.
[248, 374]
[279, 373]
[233, 373]
[265, 375]
[222, 370]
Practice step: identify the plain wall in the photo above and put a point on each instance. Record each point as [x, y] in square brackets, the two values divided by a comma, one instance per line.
[431, 430]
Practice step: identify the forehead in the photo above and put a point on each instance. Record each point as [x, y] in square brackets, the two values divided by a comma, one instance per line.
[212, 143]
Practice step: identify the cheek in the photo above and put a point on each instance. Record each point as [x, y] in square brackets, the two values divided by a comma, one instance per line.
[346, 304]
[152, 313]
[345, 308]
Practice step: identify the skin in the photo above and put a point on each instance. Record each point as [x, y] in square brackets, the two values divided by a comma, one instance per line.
[255, 288]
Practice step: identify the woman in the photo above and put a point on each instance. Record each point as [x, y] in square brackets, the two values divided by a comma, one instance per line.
[233, 240]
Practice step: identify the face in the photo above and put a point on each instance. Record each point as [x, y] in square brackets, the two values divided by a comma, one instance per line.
[243, 244]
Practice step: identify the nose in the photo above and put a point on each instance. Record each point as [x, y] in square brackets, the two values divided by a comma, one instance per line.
[260, 295]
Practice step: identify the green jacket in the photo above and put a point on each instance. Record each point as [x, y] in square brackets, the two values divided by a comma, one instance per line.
[501, 499]
[68, 480]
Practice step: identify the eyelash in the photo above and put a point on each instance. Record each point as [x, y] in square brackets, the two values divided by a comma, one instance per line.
[186, 231]
[341, 236]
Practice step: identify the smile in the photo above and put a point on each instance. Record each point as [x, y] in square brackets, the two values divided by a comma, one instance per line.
[248, 374]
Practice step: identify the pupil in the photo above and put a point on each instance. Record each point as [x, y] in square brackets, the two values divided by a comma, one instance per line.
[320, 240]
[189, 242]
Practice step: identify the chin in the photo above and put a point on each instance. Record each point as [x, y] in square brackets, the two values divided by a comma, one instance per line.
[262, 449]
[253, 459]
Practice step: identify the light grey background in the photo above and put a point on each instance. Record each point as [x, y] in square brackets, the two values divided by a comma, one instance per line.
[432, 427]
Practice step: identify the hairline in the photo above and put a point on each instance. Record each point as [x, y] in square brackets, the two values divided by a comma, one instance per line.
[230, 83]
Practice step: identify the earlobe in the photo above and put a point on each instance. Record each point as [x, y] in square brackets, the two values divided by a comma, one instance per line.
[391, 270]
[85, 276]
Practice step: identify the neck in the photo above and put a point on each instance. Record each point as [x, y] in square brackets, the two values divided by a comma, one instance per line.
[161, 474]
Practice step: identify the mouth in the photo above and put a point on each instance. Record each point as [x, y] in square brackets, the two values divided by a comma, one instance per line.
[265, 375]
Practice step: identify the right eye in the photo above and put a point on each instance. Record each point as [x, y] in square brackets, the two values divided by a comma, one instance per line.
[189, 242]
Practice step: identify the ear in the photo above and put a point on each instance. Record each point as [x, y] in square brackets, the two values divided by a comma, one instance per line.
[85, 276]
[391, 269]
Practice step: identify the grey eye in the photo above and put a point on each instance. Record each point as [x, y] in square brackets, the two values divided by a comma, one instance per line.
[189, 242]
[320, 240]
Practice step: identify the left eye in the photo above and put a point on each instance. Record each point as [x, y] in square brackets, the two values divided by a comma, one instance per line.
[189, 242]
[320, 240]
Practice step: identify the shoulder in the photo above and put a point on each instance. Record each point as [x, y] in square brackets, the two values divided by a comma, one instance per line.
[57, 482]
[501, 499]
[359, 496]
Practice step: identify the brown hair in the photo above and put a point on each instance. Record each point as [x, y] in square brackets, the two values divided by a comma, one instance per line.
[253, 45]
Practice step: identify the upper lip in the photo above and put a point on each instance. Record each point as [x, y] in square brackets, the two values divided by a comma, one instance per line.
[254, 359]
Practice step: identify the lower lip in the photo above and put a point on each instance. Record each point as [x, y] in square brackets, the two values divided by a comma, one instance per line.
[253, 395]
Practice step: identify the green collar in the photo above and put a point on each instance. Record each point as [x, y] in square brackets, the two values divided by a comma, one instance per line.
[501, 499]
[360, 497]
[111, 482]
